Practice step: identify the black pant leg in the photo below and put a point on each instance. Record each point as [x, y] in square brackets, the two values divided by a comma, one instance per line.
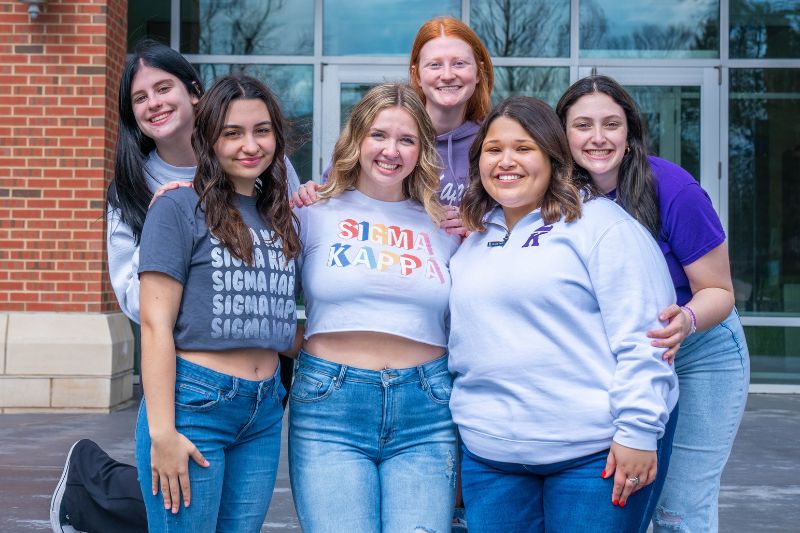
[287, 373]
[102, 494]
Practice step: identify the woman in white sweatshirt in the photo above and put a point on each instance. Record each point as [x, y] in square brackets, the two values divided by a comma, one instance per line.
[560, 399]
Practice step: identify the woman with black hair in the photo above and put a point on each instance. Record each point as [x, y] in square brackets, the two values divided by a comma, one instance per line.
[608, 141]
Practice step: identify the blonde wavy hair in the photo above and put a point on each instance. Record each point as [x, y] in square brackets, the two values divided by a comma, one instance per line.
[422, 184]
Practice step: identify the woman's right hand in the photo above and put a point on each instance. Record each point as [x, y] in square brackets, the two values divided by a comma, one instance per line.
[169, 465]
[168, 187]
[305, 195]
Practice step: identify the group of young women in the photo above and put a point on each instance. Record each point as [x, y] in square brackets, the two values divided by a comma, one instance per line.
[545, 339]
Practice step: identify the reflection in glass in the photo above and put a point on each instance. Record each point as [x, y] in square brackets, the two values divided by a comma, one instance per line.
[149, 18]
[378, 27]
[293, 85]
[545, 83]
[649, 28]
[522, 28]
[247, 27]
[773, 354]
[672, 117]
[764, 28]
[764, 189]
[351, 93]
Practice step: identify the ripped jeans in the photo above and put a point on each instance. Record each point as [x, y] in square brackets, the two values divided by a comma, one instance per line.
[371, 450]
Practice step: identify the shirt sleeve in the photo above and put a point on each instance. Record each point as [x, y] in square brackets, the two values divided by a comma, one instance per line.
[632, 285]
[167, 240]
[123, 263]
[690, 225]
[291, 176]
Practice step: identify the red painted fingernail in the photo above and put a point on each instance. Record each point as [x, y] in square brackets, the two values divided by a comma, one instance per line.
[603, 474]
[614, 502]
[622, 504]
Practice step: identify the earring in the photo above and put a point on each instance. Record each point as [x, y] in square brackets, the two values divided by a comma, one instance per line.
[627, 149]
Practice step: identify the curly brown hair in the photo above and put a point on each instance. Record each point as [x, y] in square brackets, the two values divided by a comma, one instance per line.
[562, 197]
[217, 194]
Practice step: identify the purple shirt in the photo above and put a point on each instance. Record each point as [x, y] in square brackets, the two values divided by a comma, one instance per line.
[690, 228]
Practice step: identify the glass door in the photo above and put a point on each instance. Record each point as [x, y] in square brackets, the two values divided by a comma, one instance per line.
[342, 88]
[681, 109]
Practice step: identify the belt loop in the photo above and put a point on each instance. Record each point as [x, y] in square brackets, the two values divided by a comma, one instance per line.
[423, 381]
[340, 378]
[234, 388]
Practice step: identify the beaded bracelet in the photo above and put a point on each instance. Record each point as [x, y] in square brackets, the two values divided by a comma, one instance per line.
[694, 318]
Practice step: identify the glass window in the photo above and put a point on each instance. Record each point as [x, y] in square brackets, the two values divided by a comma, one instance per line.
[765, 28]
[247, 27]
[293, 85]
[764, 190]
[773, 354]
[545, 83]
[649, 28]
[351, 94]
[672, 117]
[149, 18]
[522, 28]
[378, 27]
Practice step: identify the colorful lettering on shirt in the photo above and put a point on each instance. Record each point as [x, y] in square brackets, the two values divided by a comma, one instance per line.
[389, 250]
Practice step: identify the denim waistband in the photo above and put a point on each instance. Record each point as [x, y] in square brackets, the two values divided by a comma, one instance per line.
[395, 376]
[225, 382]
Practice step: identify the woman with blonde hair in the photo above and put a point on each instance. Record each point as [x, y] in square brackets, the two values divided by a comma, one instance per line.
[372, 445]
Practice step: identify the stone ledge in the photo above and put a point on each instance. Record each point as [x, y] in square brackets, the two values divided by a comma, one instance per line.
[65, 362]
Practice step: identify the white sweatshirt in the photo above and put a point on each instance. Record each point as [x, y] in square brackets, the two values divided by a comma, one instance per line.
[123, 252]
[548, 338]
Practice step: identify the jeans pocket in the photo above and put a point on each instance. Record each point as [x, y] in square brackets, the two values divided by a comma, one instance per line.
[195, 396]
[309, 386]
[439, 388]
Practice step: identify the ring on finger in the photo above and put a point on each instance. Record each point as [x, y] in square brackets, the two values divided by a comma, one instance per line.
[634, 480]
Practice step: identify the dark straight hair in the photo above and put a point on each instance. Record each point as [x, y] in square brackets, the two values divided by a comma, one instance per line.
[128, 190]
[562, 197]
[217, 193]
[636, 190]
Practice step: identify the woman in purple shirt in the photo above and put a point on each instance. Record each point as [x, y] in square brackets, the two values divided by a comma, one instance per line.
[609, 144]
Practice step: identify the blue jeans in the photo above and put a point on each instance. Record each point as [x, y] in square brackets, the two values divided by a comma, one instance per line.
[236, 424]
[713, 370]
[369, 450]
[565, 497]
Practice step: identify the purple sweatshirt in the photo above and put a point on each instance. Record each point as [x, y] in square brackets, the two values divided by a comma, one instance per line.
[453, 150]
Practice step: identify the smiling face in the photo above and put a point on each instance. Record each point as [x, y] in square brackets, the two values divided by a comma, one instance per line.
[514, 170]
[163, 108]
[388, 154]
[246, 145]
[448, 73]
[597, 131]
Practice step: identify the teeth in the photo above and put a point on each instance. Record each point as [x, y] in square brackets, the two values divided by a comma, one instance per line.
[160, 117]
[598, 153]
[386, 166]
[449, 88]
[509, 177]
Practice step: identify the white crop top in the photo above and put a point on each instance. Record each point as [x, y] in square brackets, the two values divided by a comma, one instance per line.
[369, 265]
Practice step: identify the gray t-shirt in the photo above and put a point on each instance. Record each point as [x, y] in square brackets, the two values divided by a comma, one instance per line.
[226, 304]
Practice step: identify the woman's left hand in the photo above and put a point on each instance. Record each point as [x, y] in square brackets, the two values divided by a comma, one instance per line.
[627, 464]
[452, 222]
[674, 334]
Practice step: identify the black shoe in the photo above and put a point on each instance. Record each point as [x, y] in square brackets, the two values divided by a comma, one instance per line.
[59, 520]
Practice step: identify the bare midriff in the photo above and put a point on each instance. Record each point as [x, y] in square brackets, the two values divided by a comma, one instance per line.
[371, 350]
[252, 364]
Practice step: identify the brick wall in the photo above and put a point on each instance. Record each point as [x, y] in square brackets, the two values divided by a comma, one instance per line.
[58, 92]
